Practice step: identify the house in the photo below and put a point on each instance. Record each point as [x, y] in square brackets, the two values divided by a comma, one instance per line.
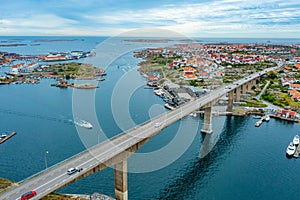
[203, 74]
[287, 68]
[190, 76]
[293, 86]
[286, 114]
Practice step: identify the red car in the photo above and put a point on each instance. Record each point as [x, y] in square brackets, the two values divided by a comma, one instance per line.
[28, 195]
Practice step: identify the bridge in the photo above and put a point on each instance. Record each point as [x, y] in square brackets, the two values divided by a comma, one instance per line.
[117, 150]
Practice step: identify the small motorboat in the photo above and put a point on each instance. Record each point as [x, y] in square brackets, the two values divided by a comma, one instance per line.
[256, 117]
[84, 124]
[296, 140]
[267, 118]
[290, 150]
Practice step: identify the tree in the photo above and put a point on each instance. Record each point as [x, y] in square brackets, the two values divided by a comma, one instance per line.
[272, 75]
[193, 83]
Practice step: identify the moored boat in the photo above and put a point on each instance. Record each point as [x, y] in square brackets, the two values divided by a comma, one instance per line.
[256, 117]
[290, 150]
[267, 118]
[296, 140]
[168, 106]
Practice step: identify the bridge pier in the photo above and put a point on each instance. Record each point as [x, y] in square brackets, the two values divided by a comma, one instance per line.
[253, 82]
[244, 88]
[230, 101]
[238, 94]
[207, 124]
[249, 85]
[121, 187]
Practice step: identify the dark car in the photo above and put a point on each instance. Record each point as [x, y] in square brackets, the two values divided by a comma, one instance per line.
[28, 195]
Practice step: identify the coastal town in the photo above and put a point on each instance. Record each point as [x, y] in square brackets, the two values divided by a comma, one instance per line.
[188, 70]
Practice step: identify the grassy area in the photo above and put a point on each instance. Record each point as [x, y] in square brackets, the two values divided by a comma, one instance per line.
[71, 70]
[4, 183]
[289, 101]
[255, 103]
[55, 196]
[238, 111]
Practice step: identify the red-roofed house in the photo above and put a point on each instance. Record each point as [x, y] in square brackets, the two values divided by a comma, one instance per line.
[286, 114]
[287, 68]
[294, 86]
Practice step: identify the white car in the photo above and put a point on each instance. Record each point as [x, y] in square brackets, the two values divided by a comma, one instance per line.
[72, 170]
[157, 124]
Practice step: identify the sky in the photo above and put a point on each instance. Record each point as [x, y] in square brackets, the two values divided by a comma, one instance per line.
[191, 18]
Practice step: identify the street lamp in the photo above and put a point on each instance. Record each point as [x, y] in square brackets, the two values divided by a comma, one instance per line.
[46, 159]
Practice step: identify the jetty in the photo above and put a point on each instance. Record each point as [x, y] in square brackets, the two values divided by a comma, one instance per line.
[7, 137]
[261, 120]
[297, 152]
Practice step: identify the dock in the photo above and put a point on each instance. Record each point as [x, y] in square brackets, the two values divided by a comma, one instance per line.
[7, 137]
[297, 152]
[261, 120]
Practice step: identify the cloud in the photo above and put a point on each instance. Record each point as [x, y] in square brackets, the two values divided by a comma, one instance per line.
[223, 16]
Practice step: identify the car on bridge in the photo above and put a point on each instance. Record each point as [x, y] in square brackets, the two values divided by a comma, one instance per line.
[157, 124]
[72, 170]
[28, 195]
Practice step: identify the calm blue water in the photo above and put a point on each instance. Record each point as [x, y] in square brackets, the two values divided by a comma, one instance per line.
[246, 162]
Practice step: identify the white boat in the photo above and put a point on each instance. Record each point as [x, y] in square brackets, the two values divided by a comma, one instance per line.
[296, 140]
[3, 136]
[158, 92]
[256, 117]
[168, 106]
[84, 124]
[290, 150]
[267, 118]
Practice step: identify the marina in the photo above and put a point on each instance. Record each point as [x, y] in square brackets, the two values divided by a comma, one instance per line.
[293, 149]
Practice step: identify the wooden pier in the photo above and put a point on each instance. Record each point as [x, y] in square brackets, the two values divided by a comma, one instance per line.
[7, 137]
[261, 120]
[297, 152]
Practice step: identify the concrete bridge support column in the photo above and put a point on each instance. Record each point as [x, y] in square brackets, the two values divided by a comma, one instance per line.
[249, 86]
[244, 88]
[207, 124]
[121, 188]
[254, 82]
[238, 94]
[230, 101]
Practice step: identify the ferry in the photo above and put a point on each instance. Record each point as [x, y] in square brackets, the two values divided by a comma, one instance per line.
[84, 124]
